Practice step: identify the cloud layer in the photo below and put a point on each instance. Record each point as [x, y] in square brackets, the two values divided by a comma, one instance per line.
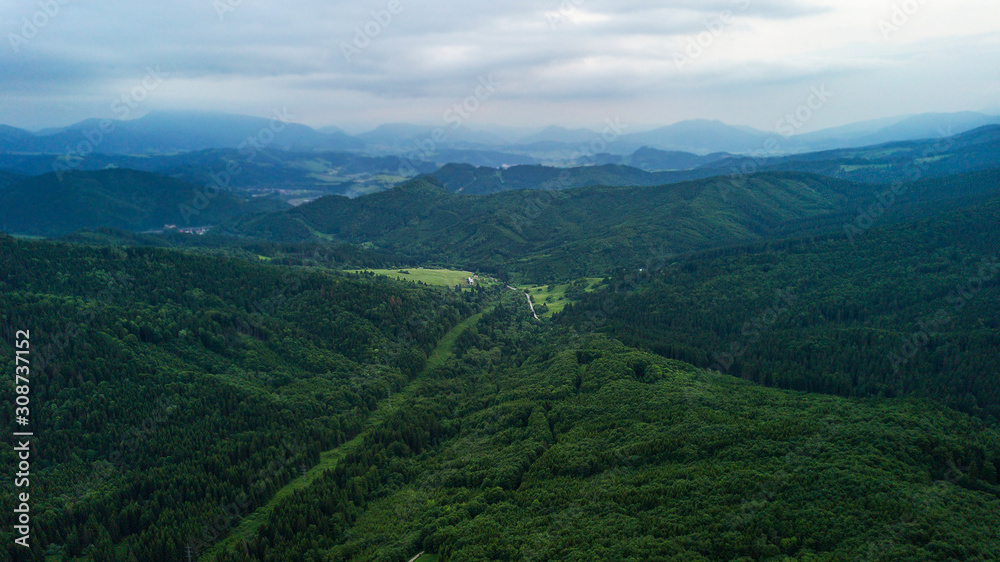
[570, 62]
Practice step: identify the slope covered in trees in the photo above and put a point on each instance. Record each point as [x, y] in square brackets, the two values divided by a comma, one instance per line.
[905, 308]
[558, 234]
[944, 155]
[530, 445]
[169, 387]
[60, 203]
[470, 180]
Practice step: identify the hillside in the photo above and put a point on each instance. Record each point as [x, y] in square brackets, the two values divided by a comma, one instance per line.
[189, 392]
[903, 128]
[904, 309]
[172, 131]
[470, 180]
[558, 234]
[978, 149]
[54, 204]
[528, 447]
[296, 175]
[163, 382]
[8, 178]
[907, 161]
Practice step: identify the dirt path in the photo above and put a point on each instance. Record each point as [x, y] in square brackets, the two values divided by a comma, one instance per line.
[532, 305]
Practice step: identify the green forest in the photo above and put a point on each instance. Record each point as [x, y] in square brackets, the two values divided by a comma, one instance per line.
[774, 369]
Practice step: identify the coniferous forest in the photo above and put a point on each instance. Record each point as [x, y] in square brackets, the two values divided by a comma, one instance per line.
[451, 281]
[776, 388]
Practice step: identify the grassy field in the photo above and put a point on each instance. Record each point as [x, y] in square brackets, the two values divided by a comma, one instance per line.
[441, 277]
[554, 296]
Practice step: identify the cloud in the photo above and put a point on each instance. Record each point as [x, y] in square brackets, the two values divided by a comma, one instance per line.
[393, 60]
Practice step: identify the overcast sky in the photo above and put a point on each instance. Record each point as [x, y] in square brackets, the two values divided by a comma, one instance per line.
[573, 63]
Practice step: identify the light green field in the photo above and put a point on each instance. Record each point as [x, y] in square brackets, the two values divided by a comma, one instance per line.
[855, 168]
[554, 296]
[440, 277]
[932, 159]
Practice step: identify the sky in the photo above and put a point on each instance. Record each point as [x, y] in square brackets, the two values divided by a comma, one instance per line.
[518, 63]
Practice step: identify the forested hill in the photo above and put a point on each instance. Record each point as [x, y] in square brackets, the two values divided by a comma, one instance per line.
[908, 161]
[60, 203]
[178, 394]
[560, 234]
[900, 309]
[8, 178]
[470, 180]
[162, 382]
[944, 155]
[529, 446]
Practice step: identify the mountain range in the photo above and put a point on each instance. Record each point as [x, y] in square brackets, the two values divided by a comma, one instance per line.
[171, 131]
[655, 355]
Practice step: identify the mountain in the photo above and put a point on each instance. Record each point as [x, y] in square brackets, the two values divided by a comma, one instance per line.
[653, 160]
[699, 136]
[974, 150]
[561, 135]
[406, 138]
[332, 130]
[313, 410]
[12, 138]
[523, 446]
[295, 175]
[459, 178]
[245, 400]
[52, 205]
[172, 131]
[490, 158]
[905, 308]
[194, 369]
[905, 128]
[8, 178]
[558, 234]
[978, 149]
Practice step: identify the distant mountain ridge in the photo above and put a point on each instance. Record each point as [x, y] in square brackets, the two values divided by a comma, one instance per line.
[173, 131]
[165, 132]
[569, 232]
[471, 180]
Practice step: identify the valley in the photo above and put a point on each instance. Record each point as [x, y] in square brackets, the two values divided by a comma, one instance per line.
[793, 363]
